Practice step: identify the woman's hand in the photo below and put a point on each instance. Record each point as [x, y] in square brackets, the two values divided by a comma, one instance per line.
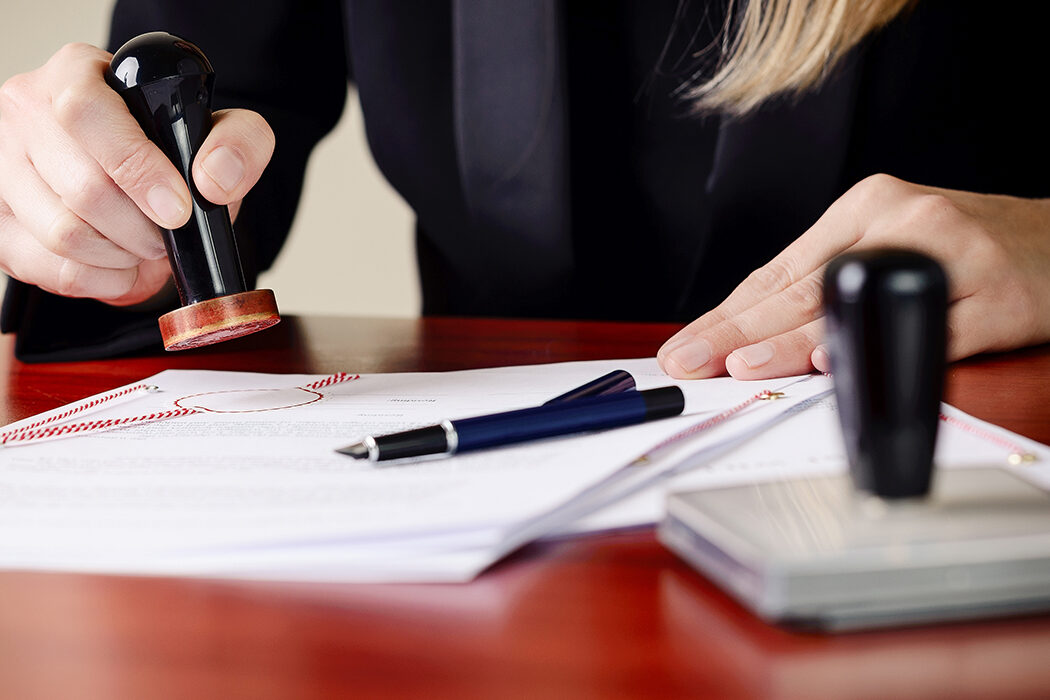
[83, 191]
[994, 249]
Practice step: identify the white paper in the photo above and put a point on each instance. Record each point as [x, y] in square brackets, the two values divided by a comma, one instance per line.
[253, 487]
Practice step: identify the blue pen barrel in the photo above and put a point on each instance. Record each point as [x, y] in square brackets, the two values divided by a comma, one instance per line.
[577, 416]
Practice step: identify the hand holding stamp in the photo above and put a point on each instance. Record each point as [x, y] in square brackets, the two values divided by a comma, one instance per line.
[167, 85]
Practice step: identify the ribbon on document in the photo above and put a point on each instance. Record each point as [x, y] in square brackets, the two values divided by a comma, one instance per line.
[54, 424]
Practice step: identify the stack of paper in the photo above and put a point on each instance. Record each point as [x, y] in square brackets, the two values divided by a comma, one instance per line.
[250, 485]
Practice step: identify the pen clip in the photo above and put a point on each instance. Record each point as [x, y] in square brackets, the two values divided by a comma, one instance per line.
[615, 382]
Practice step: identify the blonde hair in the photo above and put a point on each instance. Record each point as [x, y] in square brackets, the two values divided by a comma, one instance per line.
[785, 47]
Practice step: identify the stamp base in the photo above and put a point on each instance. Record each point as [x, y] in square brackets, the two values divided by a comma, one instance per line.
[219, 319]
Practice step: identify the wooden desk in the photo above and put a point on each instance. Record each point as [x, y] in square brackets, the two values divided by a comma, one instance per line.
[593, 617]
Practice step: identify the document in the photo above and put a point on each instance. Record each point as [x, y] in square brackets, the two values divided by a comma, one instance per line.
[250, 485]
[246, 483]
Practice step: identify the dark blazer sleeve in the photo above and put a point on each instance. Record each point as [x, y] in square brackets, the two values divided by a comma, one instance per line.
[281, 58]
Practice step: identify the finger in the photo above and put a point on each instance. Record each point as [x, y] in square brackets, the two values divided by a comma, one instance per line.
[153, 276]
[85, 189]
[234, 155]
[58, 229]
[705, 354]
[804, 258]
[782, 355]
[33, 134]
[24, 258]
[840, 228]
[821, 359]
[21, 258]
[990, 321]
[97, 118]
[973, 327]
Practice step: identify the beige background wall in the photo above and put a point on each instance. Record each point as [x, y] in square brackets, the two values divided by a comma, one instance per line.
[350, 250]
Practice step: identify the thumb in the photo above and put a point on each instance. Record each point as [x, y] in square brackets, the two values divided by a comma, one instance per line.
[233, 156]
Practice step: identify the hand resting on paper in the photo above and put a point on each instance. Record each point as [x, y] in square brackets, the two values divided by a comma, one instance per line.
[995, 251]
[82, 190]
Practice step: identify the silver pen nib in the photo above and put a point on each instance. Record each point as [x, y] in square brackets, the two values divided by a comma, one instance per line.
[358, 450]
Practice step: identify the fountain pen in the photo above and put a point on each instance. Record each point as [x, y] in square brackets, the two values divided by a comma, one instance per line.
[450, 437]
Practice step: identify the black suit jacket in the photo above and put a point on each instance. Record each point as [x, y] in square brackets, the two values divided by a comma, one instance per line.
[466, 108]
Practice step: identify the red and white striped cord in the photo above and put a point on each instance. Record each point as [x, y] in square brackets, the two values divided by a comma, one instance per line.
[50, 426]
[66, 413]
[714, 420]
[68, 429]
[1017, 454]
[331, 379]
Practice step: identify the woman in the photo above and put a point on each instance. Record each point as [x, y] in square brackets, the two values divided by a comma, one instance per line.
[547, 153]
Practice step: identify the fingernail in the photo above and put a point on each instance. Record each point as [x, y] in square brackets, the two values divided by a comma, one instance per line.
[167, 205]
[225, 167]
[691, 356]
[670, 344]
[821, 359]
[755, 355]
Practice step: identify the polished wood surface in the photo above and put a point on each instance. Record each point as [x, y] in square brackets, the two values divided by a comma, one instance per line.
[600, 616]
